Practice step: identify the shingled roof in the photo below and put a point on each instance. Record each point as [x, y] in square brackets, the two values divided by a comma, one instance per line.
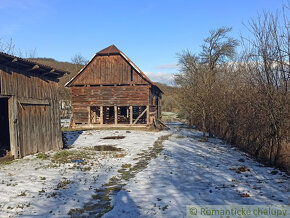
[113, 50]
[25, 65]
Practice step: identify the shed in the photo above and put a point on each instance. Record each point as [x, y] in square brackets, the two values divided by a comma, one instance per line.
[112, 90]
[29, 108]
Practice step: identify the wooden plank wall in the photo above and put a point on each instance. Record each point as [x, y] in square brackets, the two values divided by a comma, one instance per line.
[83, 97]
[155, 103]
[113, 69]
[36, 100]
[27, 86]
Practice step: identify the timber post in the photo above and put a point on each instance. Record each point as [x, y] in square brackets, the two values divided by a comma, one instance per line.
[148, 115]
[116, 114]
[90, 115]
[131, 114]
[101, 115]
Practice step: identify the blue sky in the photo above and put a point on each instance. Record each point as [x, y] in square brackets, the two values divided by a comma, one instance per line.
[150, 32]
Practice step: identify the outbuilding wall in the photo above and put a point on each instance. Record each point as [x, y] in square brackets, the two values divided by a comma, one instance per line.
[34, 120]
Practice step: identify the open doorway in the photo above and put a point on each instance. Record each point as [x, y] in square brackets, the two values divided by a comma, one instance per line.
[4, 128]
[95, 115]
[123, 115]
[109, 115]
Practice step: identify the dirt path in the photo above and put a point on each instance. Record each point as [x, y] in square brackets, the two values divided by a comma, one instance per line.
[191, 172]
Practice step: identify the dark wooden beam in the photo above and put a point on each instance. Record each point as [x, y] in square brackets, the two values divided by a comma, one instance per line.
[9, 62]
[30, 101]
[35, 67]
[53, 71]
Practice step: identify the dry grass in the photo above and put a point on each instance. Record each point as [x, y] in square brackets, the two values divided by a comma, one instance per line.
[68, 156]
[106, 148]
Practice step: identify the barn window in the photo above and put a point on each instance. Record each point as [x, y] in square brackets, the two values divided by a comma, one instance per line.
[131, 74]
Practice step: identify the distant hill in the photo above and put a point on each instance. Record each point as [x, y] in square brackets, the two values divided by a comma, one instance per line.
[73, 69]
[168, 101]
[66, 66]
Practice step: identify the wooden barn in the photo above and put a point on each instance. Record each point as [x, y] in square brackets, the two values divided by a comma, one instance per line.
[29, 109]
[112, 90]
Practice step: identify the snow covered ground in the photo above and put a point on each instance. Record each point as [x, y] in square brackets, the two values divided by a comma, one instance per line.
[65, 122]
[34, 186]
[189, 172]
[186, 172]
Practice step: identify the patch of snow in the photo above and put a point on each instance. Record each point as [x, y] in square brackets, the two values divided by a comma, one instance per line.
[65, 122]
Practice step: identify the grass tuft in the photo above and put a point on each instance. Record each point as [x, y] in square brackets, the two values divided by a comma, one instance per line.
[42, 156]
[68, 156]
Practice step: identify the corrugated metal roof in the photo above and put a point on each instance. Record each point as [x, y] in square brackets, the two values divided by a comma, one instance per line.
[113, 50]
[27, 65]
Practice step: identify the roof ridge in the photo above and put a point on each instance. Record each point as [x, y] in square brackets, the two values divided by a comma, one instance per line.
[112, 49]
[27, 61]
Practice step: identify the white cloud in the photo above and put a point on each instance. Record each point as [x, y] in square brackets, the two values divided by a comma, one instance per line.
[168, 66]
[161, 77]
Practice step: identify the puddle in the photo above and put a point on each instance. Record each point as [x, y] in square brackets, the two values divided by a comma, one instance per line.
[114, 137]
[107, 148]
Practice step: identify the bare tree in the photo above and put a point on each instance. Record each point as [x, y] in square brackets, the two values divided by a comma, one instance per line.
[217, 49]
[7, 47]
[32, 53]
[188, 81]
[269, 57]
[244, 101]
[79, 61]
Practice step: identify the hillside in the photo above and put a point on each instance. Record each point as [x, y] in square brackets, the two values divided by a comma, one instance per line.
[66, 66]
[169, 97]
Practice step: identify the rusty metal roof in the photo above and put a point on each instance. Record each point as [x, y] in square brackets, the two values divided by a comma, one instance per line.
[25, 65]
[113, 50]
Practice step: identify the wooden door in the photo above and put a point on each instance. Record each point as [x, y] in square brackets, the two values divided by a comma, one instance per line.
[35, 128]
